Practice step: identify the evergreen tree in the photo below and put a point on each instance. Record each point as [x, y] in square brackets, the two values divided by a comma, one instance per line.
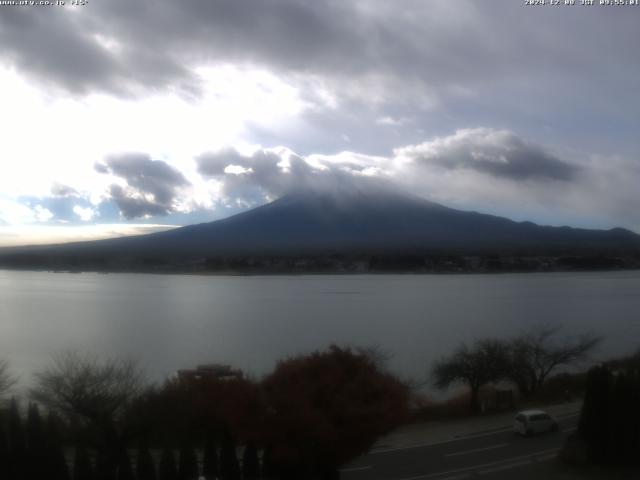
[593, 425]
[125, 471]
[624, 431]
[106, 466]
[82, 469]
[229, 468]
[167, 470]
[210, 459]
[268, 469]
[35, 428]
[610, 422]
[57, 468]
[634, 416]
[188, 464]
[250, 462]
[36, 445]
[17, 444]
[4, 454]
[145, 466]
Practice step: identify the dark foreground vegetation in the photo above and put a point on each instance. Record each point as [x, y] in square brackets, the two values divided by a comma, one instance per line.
[88, 418]
[305, 419]
[609, 428]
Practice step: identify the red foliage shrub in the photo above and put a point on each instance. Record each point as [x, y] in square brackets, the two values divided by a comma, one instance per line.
[328, 407]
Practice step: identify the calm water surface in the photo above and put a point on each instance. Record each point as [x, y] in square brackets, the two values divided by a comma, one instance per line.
[177, 321]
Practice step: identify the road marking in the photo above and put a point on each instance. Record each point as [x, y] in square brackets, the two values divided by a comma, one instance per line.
[467, 452]
[356, 469]
[530, 456]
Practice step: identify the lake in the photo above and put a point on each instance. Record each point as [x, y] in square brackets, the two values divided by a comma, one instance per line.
[169, 322]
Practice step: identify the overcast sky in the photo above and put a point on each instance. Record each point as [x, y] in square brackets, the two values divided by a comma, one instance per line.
[123, 117]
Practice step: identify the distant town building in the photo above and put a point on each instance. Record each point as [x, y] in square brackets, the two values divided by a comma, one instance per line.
[210, 371]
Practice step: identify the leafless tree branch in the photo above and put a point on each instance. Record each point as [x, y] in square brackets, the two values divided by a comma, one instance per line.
[85, 386]
[7, 381]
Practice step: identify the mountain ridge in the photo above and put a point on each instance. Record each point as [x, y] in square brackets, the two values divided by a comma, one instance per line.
[380, 222]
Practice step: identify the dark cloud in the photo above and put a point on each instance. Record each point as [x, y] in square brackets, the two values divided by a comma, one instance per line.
[50, 45]
[61, 190]
[70, 51]
[253, 178]
[213, 164]
[133, 205]
[268, 174]
[495, 152]
[153, 186]
[357, 48]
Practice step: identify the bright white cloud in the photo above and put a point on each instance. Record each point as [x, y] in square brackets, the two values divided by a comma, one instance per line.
[42, 214]
[237, 169]
[85, 213]
[13, 212]
[59, 139]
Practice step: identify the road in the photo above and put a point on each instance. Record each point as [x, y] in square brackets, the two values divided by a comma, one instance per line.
[488, 455]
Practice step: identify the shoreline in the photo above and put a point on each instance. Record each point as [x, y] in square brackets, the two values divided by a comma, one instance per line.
[293, 273]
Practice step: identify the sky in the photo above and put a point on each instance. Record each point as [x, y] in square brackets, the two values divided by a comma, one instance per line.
[123, 117]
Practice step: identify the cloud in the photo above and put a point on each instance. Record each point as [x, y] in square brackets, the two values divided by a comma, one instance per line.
[61, 190]
[85, 213]
[356, 49]
[379, 73]
[152, 187]
[33, 39]
[494, 152]
[265, 174]
[253, 178]
[42, 214]
[484, 169]
[176, 79]
[497, 171]
[91, 60]
[481, 152]
[14, 212]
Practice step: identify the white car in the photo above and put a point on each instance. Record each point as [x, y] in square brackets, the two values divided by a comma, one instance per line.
[529, 422]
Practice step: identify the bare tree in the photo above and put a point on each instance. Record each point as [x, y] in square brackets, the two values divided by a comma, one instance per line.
[536, 354]
[82, 385]
[484, 362]
[96, 392]
[6, 379]
[377, 354]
